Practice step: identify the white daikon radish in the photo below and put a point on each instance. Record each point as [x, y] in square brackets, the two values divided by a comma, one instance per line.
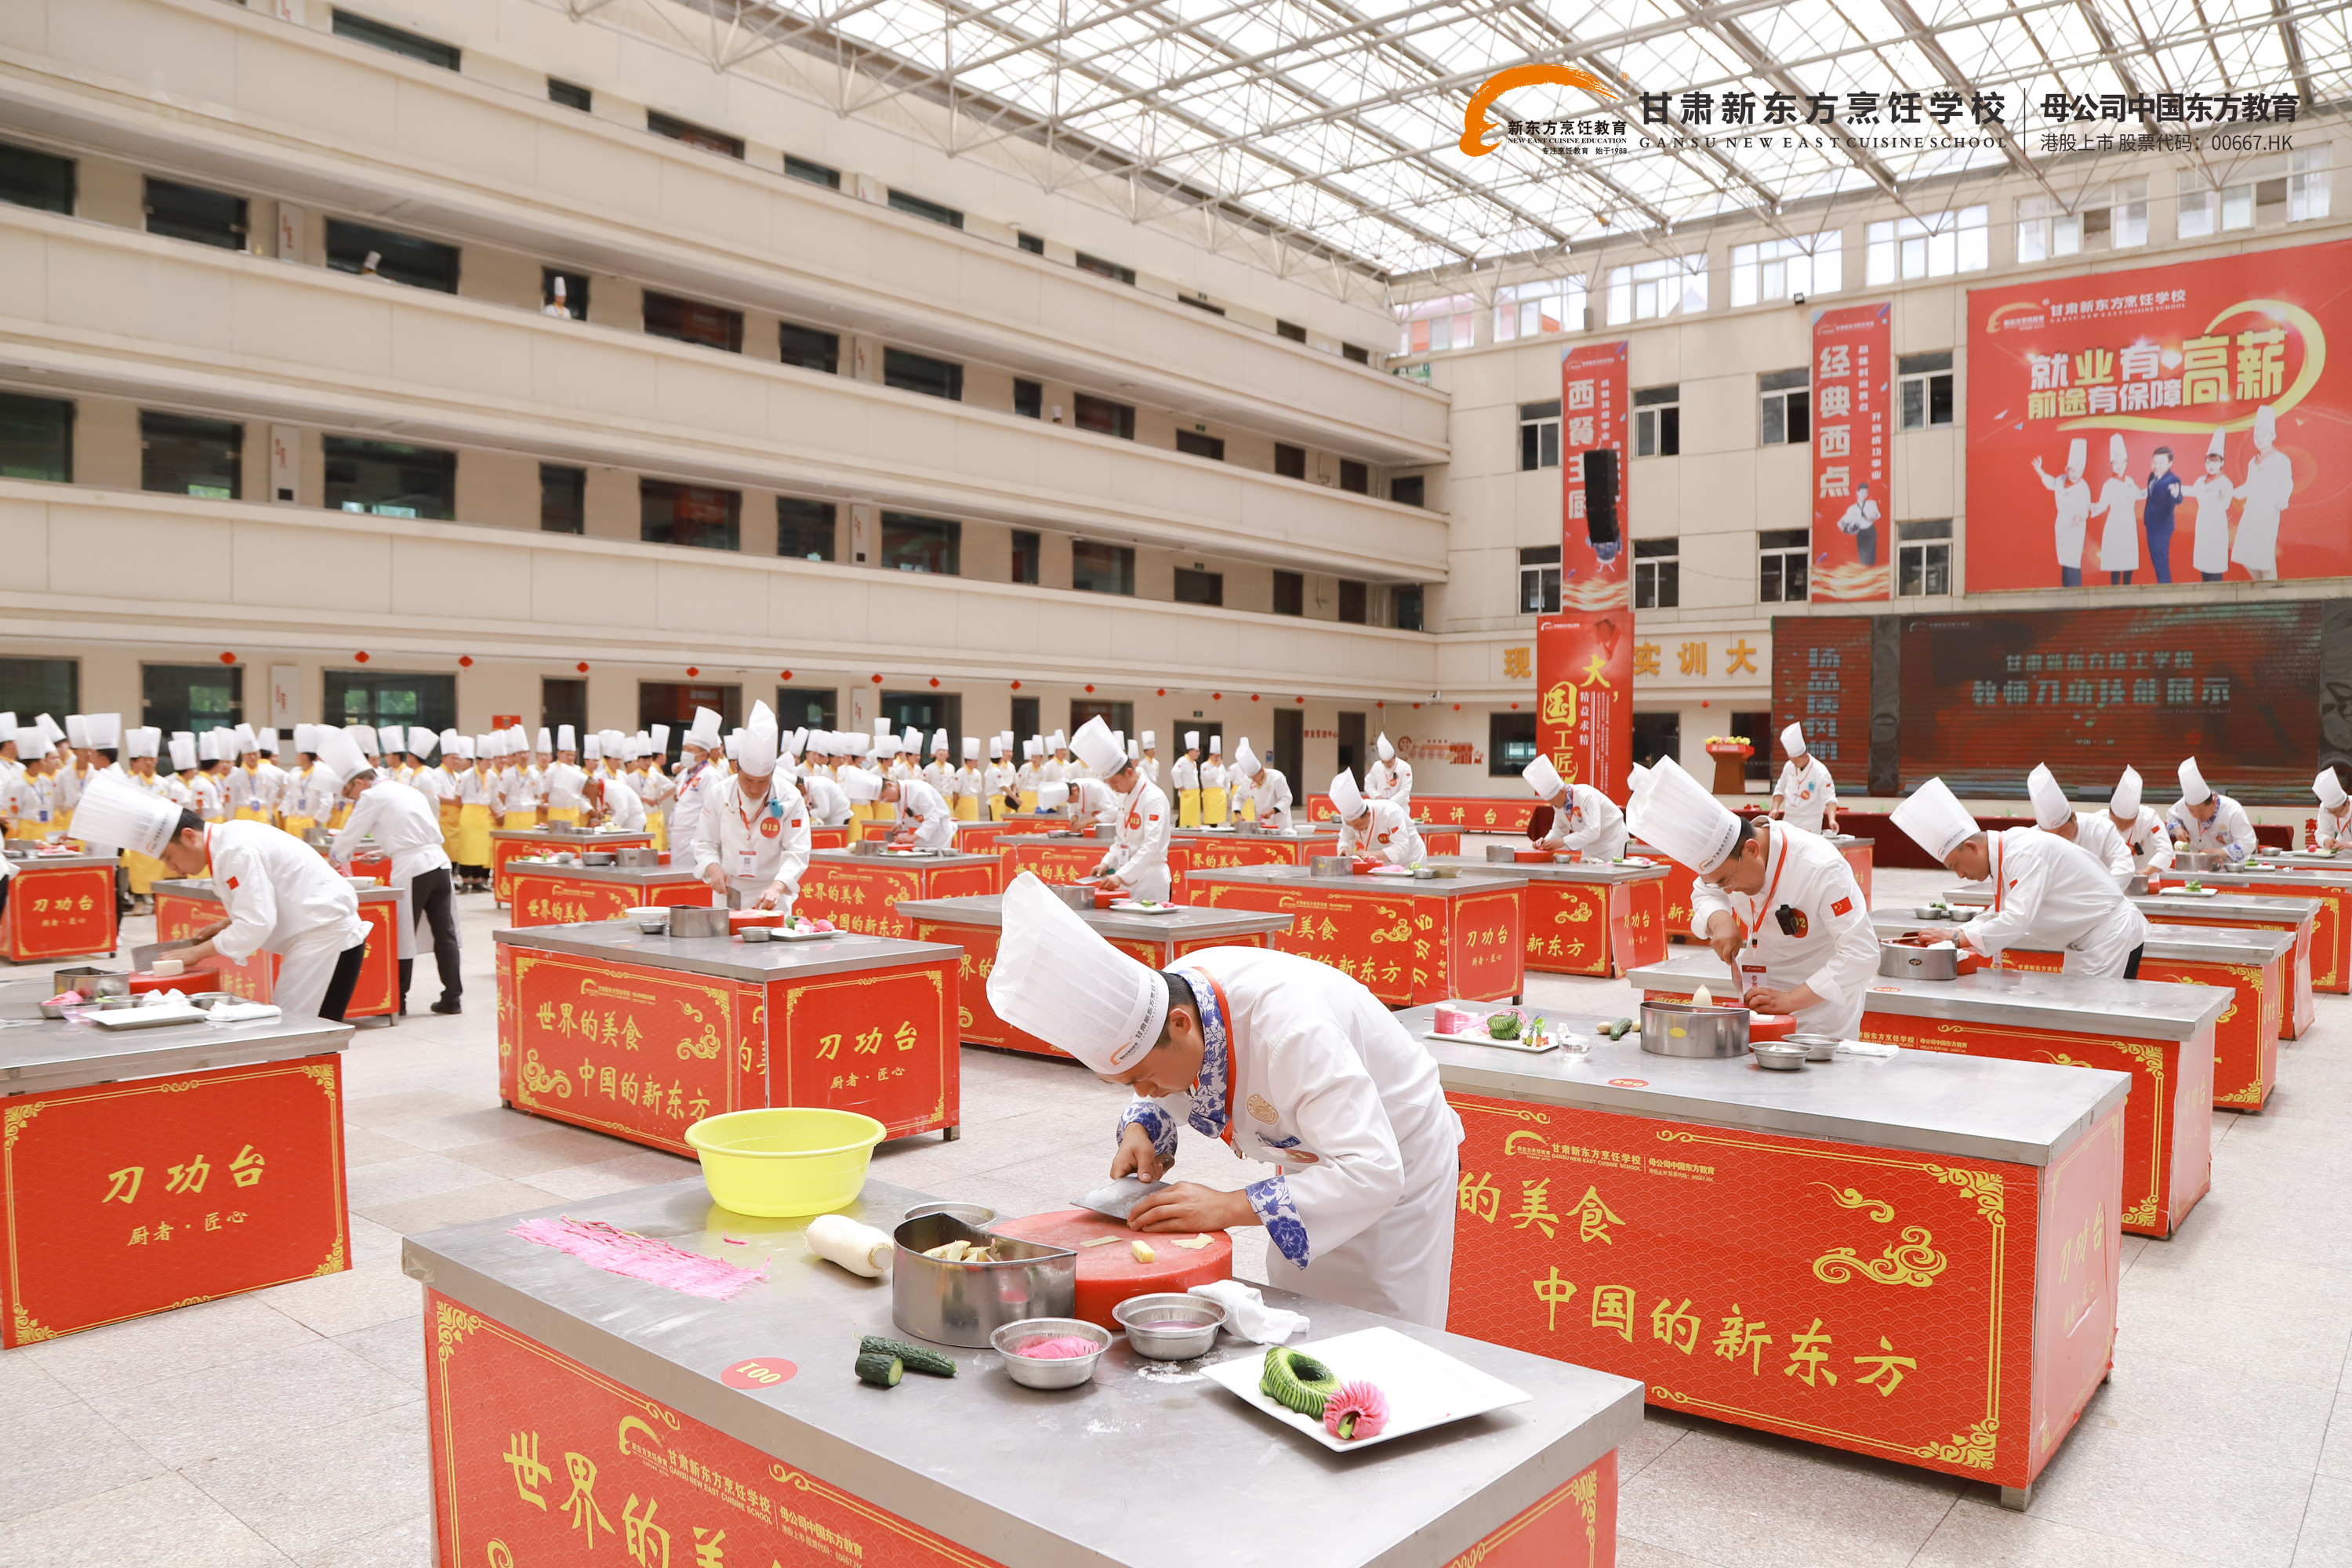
[1703, 997]
[860, 1248]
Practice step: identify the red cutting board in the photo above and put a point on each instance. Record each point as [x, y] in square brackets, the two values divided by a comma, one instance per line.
[1108, 1274]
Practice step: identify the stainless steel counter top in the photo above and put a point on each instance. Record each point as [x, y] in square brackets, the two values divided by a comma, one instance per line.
[622, 942]
[1186, 924]
[2148, 1009]
[2200, 944]
[1601, 872]
[633, 875]
[40, 1054]
[2319, 874]
[202, 887]
[1501, 879]
[57, 862]
[1150, 1465]
[2316, 859]
[591, 837]
[1979, 1107]
[931, 859]
[1250, 835]
[2224, 906]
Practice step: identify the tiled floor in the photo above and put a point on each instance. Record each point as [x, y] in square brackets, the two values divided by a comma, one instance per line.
[288, 1425]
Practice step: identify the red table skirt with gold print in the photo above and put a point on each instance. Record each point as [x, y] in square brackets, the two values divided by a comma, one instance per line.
[505, 849]
[1953, 1314]
[1592, 928]
[537, 1459]
[642, 1053]
[1477, 814]
[546, 898]
[64, 911]
[1186, 855]
[1406, 950]
[2245, 1042]
[863, 897]
[1057, 860]
[829, 838]
[122, 1199]
[2331, 935]
[375, 995]
[376, 866]
[2295, 1010]
[979, 1022]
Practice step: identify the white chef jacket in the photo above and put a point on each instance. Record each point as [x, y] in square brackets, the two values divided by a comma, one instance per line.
[1388, 781]
[2050, 893]
[941, 776]
[2073, 519]
[625, 810]
[564, 784]
[828, 807]
[405, 824]
[2149, 845]
[281, 897]
[1137, 856]
[68, 780]
[274, 783]
[1000, 781]
[1214, 775]
[1832, 947]
[1272, 800]
[1148, 767]
[1805, 792]
[311, 793]
[685, 808]
[2232, 833]
[924, 807]
[2333, 828]
[247, 791]
[2212, 493]
[1590, 823]
[435, 784]
[967, 781]
[1390, 836]
[1184, 774]
[2269, 484]
[772, 829]
[475, 787]
[2098, 838]
[1305, 1068]
[2119, 538]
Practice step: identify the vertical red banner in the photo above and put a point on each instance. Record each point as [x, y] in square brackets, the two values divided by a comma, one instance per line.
[1584, 655]
[1853, 393]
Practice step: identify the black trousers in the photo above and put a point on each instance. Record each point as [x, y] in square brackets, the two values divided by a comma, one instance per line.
[431, 897]
[346, 980]
[2131, 964]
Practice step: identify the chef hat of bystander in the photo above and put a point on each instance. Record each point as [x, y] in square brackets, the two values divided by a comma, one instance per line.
[793, 744]
[1674, 812]
[862, 787]
[371, 742]
[247, 741]
[2118, 453]
[757, 755]
[450, 739]
[341, 754]
[2124, 802]
[732, 743]
[704, 731]
[484, 746]
[1057, 978]
[1245, 761]
[658, 741]
[208, 747]
[1217, 746]
[546, 742]
[564, 741]
[1135, 751]
[269, 738]
[77, 732]
[1934, 818]
[1346, 798]
[116, 813]
[1150, 741]
[857, 745]
[1542, 777]
[2051, 806]
[912, 741]
[306, 738]
[996, 748]
[48, 726]
[2327, 786]
[184, 748]
[938, 740]
[1097, 748]
[146, 741]
[1387, 751]
[1052, 796]
[1792, 739]
[881, 728]
[595, 749]
[422, 742]
[972, 748]
[1029, 750]
[2193, 790]
[1191, 739]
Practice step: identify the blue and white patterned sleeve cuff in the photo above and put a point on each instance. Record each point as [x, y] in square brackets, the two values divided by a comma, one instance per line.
[1156, 1122]
[1271, 1199]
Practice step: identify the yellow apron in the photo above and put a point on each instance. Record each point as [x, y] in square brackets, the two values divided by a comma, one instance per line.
[1249, 808]
[1212, 807]
[569, 815]
[63, 821]
[1188, 808]
[448, 827]
[145, 871]
[297, 825]
[473, 835]
[659, 825]
[996, 808]
[1028, 800]
[342, 814]
[514, 819]
[967, 808]
[251, 814]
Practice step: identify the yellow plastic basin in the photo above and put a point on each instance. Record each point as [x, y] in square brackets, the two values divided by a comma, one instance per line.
[785, 1161]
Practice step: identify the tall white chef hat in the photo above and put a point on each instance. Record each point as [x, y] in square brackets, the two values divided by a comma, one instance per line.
[704, 731]
[247, 741]
[1119, 739]
[972, 748]
[48, 726]
[1936, 820]
[595, 749]
[306, 738]
[2193, 790]
[341, 754]
[2219, 446]
[732, 743]
[115, 813]
[2265, 425]
[796, 742]
[33, 742]
[1150, 739]
[2078, 453]
[2330, 789]
[1097, 748]
[564, 742]
[1346, 798]
[912, 741]
[2118, 453]
[269, 738]
[758, 753]
[1134, 752]
[106, 731]
[860, 787]
[78, 731]
[521, 741]
[1052, 796]
[449, 748]
[1191, 739]
[1057, 742]
[2124, 802]
[1386, 753]
[1058, 979]
[940, 740]
[1217, 746]
[184, 747]
[659, 740]
[1246, 760]
[1542, 777]
[1673, 812]
[881, 728]
[9, 727]
[208, 747]
[484, 746]
[2051, 806]
[422, 742]
[467, 748]
[145, 742]
[370, 742]
[996, 748]
[1792, 739]
[1029, 750]
[857, 745]
[546, 742]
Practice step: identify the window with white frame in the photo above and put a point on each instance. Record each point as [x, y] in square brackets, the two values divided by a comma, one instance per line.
[1788, 411]
[1539, 435]
[2111, 217]
[1780, 564]
[1923, 390]
[1535, 309]
[1909, 247]
[1657, 573]
[1645, 290]
[1923, 558]
[1540, 580]
[1782, 268]
[1426, 326]
[2306, 183]
[2205, 209]
[1657, 421]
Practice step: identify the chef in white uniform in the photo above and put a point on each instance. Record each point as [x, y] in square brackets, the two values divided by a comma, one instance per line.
[2054, 814]
[1269, 788]
[1146, 760]
[1391, 777]
[1378, 828]
[1217, 807]
[404, 824]
[1583, 818]
[1001, 785]
[1288, 1059]
[280, 895]
[2139, 825]
[1787, 895]
[2046, 892]
[1136, 863]
[2213, 493]
[925, 818]
[620, 808]
[2119, 505]
[694, 773]
[2073, 513]
[752, 838]
[828, 805]
[2269, 486]
[2333, 827]
[2207, 823]
[1805, 797]
[1184, 776]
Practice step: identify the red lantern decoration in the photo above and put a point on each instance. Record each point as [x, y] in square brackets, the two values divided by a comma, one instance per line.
[581, 667]
[1016, 686]
[1163, 691]
[362, 656]
[935, 683]
[228, 658]
[1457, 707]
[877, 680]
[1515, 707]
[788, 675]
[1216, 697]
[1302, 701]
[1253, 695]
[691, 671]
[1090, 690]
[465, 661]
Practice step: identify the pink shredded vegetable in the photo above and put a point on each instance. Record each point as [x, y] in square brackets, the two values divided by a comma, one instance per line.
[641, 1258]
[1067, 1347]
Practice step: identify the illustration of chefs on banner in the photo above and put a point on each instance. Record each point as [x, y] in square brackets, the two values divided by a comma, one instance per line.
[2269, 483]
[2213, 495]
[1860, 521]
[2163, 497]
[2118, 506]
[2073, 515]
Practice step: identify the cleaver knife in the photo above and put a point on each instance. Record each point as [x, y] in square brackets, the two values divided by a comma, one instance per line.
[1118, 1198]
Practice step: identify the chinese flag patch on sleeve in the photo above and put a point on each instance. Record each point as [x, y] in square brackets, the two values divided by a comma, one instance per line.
[1841, 905]
[231, 884]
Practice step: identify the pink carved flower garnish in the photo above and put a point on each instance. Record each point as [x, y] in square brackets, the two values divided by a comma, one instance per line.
[1359, 1410]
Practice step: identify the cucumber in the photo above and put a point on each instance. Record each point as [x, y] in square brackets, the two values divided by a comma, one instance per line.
[1297, 1381]
[915, 1358]
[881, 1370]
[1503, 1027]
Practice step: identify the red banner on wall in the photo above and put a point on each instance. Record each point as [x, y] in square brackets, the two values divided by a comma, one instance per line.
[1853, 389]
[2227, 354]
[1584, 656]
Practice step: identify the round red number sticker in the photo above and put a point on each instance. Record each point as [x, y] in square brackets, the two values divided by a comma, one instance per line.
[1630, 1082]
[770, 826]
[760, 1372]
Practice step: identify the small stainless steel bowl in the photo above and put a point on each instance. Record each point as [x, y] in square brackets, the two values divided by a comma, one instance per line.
[1818, 1047]
[977, 1216]
[758, 933]
[1169, 1325]
[1778, 1056]
[1039, 1373]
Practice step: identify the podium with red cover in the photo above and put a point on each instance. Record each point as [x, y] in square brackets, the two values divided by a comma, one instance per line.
[1588, 917]
[184, 907]
[860, 892]
[1408, 940]
[508, 843]
[555, 892]
[59, 906]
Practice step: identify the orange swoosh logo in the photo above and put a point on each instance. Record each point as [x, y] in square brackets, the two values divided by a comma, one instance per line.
[1474, 117]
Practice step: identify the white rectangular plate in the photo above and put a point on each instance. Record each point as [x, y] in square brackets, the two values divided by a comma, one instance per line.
[1425, 1387]
[145, 1017]
[1478, 1037]
[781, 935]
[1130, 907]
[1390, 871]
